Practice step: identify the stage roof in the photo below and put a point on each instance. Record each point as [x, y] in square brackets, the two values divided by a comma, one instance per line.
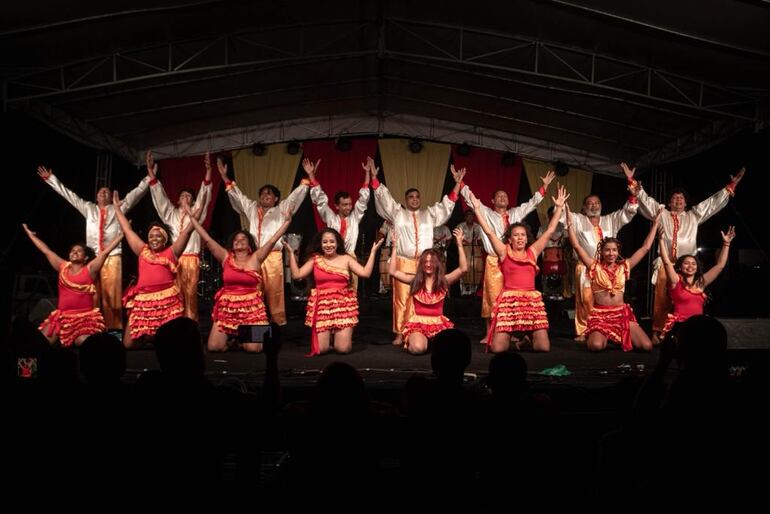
[589, 82]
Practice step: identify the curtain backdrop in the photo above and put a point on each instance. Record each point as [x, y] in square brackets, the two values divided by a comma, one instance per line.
[177, 174]
[577, 181]
[275, 167]
[425, 170]
[486, 174]
[339, 171]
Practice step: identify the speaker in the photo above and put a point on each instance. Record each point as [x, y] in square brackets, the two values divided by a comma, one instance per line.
[747, 334]
[41, 310]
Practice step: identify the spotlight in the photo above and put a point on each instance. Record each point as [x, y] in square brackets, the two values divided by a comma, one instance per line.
[292, 148]
[258, 149]
[560, 168]
[464, 150]
[415, 146]
[508, 159]
[343, 144]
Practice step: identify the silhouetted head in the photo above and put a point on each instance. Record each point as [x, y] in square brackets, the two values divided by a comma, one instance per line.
[179, 348]
[450, 355]
[102, 359]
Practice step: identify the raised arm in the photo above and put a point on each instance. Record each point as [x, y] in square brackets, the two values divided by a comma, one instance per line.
[716, 202]
[95, 265]
[559, 201]
[672, 277]
[298, 273]
[265, 249]
[441, 211]
[366, 270]
[78, 203]
[136, 194]
[134, 241]
[498, 245]
[714, 272]
[180, 243]
[53, 259]
[582, 254]
[218, 251]
[456, 273]
[641, 252]
[158, 194]
[521, 212]
[240, 202]
[321, 202]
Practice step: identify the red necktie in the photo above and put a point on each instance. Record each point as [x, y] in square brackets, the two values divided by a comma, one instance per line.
[506, 221]
[343, 227]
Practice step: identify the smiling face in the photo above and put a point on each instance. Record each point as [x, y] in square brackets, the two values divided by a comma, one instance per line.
[592, 206]
[500, 199]
[185, 198]
[413, 200]
[329, 244]
[429, 264]
[103, 196]
[241, 243]
[689, 266]
[267, 198]
[518, 238]
[78, 255]
[345, 206]
[156, 240]
[677, 202]
[610, 253]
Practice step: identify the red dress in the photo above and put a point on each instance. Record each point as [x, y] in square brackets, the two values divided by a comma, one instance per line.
[332, 305]
[612, 321]
[155, 299]
[519, 307]
[686, 302]
[239, 301]
[75, 314]
[427, 315]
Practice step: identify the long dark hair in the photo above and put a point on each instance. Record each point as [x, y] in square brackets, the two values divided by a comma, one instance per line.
[509, 231]
[600, 247]
[249, 238]
[697, 279]
[439, 283]
[314, 248]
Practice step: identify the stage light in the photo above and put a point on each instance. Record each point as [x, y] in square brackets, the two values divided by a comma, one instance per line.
[343, 144]
[508, 159]
[415, 146]
[464, 149]
[560, 168]
[258, 149]
[292, 148]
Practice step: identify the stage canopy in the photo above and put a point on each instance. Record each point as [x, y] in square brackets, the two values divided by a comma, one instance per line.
[588, 82]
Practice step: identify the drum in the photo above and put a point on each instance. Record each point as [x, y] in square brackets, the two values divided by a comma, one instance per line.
[384, 275]
[553, 262]
[440, 247]
[474, 254]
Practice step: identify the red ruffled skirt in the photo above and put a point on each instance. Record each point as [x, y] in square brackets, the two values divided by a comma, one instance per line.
[671, 320]
[233, 309]
[331, 309]
[516, 310]
[612, 323]
[428, 326]
[148, 311]
[69, 325]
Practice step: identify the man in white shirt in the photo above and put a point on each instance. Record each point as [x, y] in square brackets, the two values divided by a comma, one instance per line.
[101, 228]
[265, 217]
[175, 217]
[348, 217]
[680, 231]
[414, 233]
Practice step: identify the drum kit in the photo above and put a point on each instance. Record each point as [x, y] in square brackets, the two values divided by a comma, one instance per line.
[471, 279]
[553, 271]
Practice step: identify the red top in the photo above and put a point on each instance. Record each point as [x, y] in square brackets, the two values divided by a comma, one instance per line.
[156, 270]
[428, 304]
[76, 292]
[686, 302]
[519, 273]
[328, 276]
[238, 280]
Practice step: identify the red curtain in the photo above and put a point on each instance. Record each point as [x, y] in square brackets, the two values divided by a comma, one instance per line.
[486, 174]
[177, 174]
[339, 171]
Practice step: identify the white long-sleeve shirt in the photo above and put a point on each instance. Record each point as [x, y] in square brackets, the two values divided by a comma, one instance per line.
[334, 220]
[263, 223]
[176, 218]
[680, 231]
[414, 229]
[101, 224]
[497, 220]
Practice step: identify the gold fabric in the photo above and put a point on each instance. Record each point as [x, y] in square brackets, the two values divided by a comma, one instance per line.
[110, 291]
[187, 276]
[662, 306]
[401, 303]
[425, 170]
[272, 284]
[578, 183]
[584, 300]
[493, 284]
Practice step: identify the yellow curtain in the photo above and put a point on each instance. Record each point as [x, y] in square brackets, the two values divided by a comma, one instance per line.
[577, 181]
[425, 170]
[275, 167]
